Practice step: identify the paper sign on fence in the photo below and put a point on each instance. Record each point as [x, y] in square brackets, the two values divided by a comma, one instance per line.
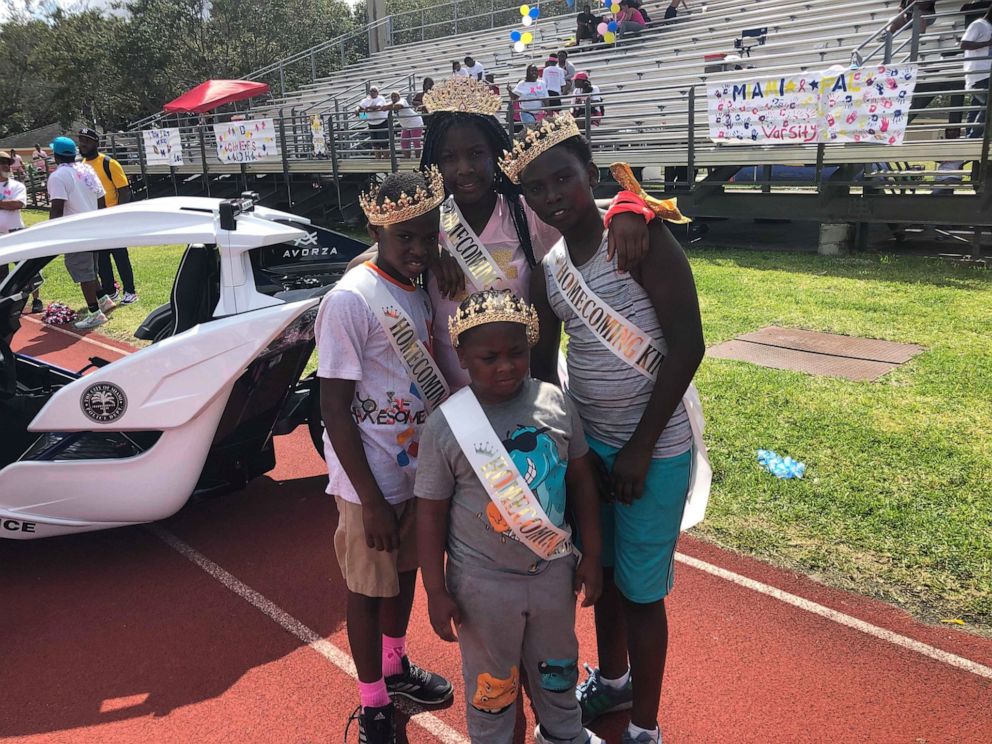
[246, 141]
[317, 135]
[869, 104]
[163, 146]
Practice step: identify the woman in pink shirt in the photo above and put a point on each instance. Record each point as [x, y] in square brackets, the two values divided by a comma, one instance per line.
[629, 19]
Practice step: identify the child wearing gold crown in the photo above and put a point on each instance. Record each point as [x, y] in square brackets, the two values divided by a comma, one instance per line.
[495, 466]
[489, 236]
[635, 341]
[378, 382]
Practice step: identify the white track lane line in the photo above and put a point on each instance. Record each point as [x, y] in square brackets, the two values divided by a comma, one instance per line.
[339, 658]
[889, 636]
[78, 336]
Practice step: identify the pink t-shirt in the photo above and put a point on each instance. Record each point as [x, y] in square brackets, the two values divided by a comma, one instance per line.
[352, 345]
[500, 238]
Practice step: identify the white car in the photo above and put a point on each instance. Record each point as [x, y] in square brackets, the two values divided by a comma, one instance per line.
[194, 412]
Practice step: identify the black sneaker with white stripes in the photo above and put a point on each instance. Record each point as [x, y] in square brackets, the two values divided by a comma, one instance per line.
[375, 725]
[419, 685]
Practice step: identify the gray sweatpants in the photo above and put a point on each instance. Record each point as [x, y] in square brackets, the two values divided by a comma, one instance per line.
[512, 623]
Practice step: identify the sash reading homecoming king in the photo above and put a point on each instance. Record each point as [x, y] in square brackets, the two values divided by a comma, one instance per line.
[506, 486]
[402, 335]
[639, 351]
[461, 242]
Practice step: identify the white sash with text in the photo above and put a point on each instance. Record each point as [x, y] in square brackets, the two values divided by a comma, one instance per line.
[464, 245]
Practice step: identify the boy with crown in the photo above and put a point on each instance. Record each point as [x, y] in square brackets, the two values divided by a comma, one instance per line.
[378, 382]
[496, 464]
[635, 341]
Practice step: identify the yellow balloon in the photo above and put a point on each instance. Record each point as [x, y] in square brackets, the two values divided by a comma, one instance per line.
[609, 37]
[615, 8]
[527, 37]
[524, 9]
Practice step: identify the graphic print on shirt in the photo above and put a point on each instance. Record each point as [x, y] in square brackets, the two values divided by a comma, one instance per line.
[503, 258]
[395, 410]
[494, 695]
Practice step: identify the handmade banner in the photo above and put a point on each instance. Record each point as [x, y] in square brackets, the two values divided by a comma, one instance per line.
[868, 104]
[317, 136]
[246, 141]
[163, 146]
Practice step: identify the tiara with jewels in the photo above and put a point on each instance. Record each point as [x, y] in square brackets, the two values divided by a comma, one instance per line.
[407, 206]
[536, 142]
[494, 306]
[464, 94]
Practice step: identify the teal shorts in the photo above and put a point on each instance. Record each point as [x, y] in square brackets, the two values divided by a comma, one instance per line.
[639, 539]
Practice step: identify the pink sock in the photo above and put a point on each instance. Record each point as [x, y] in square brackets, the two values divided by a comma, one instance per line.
[373, 694]
[393, 651]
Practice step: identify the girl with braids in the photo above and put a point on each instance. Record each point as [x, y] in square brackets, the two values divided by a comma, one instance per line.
[489, 236]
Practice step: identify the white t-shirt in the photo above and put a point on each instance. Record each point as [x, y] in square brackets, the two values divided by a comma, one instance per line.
[460, 72]
[593, 95]
[531, 94]
[554, 78]
[977, 69]
[569, 70]
[10, 219]
[352, 345]
[78, 184]
[476, 71]
[375, 117]
[409, 119]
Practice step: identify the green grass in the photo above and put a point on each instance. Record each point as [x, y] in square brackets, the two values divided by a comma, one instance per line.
[897, 502]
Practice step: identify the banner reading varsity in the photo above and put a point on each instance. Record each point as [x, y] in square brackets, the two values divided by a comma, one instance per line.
[163, 146]
[862, 105]
[246, 141]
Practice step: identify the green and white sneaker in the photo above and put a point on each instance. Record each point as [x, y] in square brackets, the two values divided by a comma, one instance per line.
[597, 699]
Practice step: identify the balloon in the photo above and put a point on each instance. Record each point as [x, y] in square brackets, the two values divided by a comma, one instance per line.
[615, 8]
[514, 36]
[524, 10]
[519, 46]
[528, 20]
[534, 13]
[609, 37]
[527, 38]
[612, 26]
[602, 28]
[569, 3]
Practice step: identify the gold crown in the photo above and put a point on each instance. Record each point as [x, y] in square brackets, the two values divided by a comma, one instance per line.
[407, 206]
[494, 306]
[536, 142]
[464, 94]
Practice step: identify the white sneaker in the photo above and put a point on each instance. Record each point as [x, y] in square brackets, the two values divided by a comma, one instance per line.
[92, 320]
[106, 304]
[129, 297]
[540, 738]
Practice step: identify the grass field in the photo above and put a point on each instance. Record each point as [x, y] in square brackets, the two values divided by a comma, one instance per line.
[897, 502]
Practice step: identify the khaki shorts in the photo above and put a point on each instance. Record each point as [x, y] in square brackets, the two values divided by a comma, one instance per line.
[367, 571]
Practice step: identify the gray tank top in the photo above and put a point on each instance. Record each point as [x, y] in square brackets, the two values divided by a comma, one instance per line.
[611, 396]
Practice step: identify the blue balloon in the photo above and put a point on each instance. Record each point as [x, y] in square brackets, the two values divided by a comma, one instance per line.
[607, 3]
[569, 3]
[612, 26]
[535, 12]
[514, 36]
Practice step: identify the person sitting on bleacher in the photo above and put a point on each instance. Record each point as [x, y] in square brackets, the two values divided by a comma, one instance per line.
[586, 24]
[672, 11]
[532, 95]
[927, 8]
[629, 19]
[585, 90]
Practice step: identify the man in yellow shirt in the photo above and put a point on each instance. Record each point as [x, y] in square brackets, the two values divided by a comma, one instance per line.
[118, 190]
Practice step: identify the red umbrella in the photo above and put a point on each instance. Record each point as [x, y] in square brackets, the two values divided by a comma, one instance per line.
[213, 93]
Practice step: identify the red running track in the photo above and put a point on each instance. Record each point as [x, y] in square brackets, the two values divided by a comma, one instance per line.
[117, 637]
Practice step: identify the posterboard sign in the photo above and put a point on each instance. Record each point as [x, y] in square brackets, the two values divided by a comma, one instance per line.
[246, 141]
[868, 104]
[317, 136]
[774, 110]
[163, 146]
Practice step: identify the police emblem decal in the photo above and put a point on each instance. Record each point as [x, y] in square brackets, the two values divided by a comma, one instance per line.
[103, 402]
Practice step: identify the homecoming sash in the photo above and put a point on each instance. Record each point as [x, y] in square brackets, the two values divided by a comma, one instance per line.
[506, 486]
[639, 351]
[402, 335]
[464, 245]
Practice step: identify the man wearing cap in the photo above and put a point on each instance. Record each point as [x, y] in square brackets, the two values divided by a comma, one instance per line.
[13, 198]
[74, 188]
[376, 110]
[118, 191]
[554, 79]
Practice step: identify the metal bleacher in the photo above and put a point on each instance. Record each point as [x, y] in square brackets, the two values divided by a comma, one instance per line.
[654, 90]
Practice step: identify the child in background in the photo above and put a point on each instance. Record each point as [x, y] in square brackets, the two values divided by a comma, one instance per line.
[378, 382]
[495, 467]
[635, 341]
